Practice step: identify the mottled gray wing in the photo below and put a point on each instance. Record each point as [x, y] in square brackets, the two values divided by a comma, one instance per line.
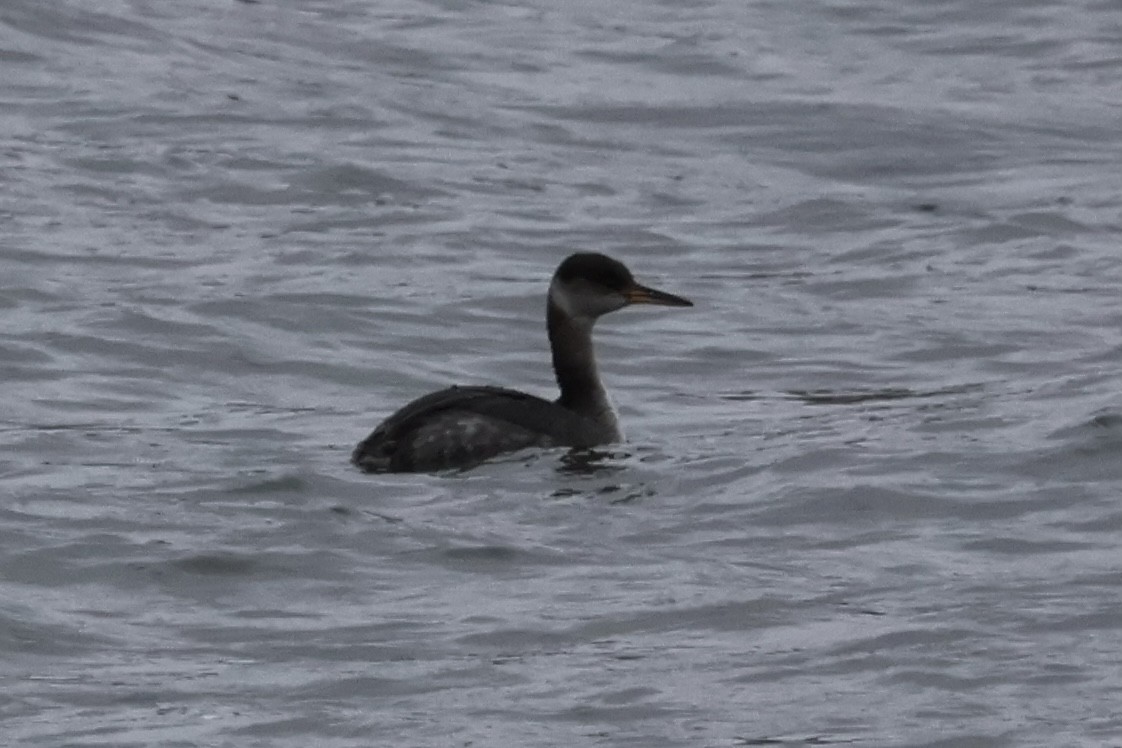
[462, 426]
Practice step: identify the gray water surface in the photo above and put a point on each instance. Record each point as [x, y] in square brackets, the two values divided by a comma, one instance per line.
[872, 491]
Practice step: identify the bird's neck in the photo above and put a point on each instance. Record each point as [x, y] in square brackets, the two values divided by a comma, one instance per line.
[574, 362]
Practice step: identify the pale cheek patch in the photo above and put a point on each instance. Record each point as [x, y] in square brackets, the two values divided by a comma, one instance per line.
[568, 300]
[561, 298]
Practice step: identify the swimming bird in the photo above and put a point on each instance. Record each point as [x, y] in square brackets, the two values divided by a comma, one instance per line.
[464, 426]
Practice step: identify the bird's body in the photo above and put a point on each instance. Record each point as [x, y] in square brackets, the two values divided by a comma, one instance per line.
[463, 426]
[467, 425]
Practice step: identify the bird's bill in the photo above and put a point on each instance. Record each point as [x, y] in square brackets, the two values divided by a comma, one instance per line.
[642, 295]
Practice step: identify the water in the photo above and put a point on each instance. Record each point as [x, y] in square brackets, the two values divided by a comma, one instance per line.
[871, 490]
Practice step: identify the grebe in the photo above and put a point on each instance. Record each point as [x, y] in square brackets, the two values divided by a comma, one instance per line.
[463, 426]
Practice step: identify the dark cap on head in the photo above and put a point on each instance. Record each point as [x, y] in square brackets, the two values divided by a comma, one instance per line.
[595, 268]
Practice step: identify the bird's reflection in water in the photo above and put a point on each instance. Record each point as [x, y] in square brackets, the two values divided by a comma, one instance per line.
[601, 463]
[592, 462]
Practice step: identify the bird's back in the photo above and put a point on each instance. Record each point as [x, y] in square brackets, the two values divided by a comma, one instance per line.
[462, 426]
